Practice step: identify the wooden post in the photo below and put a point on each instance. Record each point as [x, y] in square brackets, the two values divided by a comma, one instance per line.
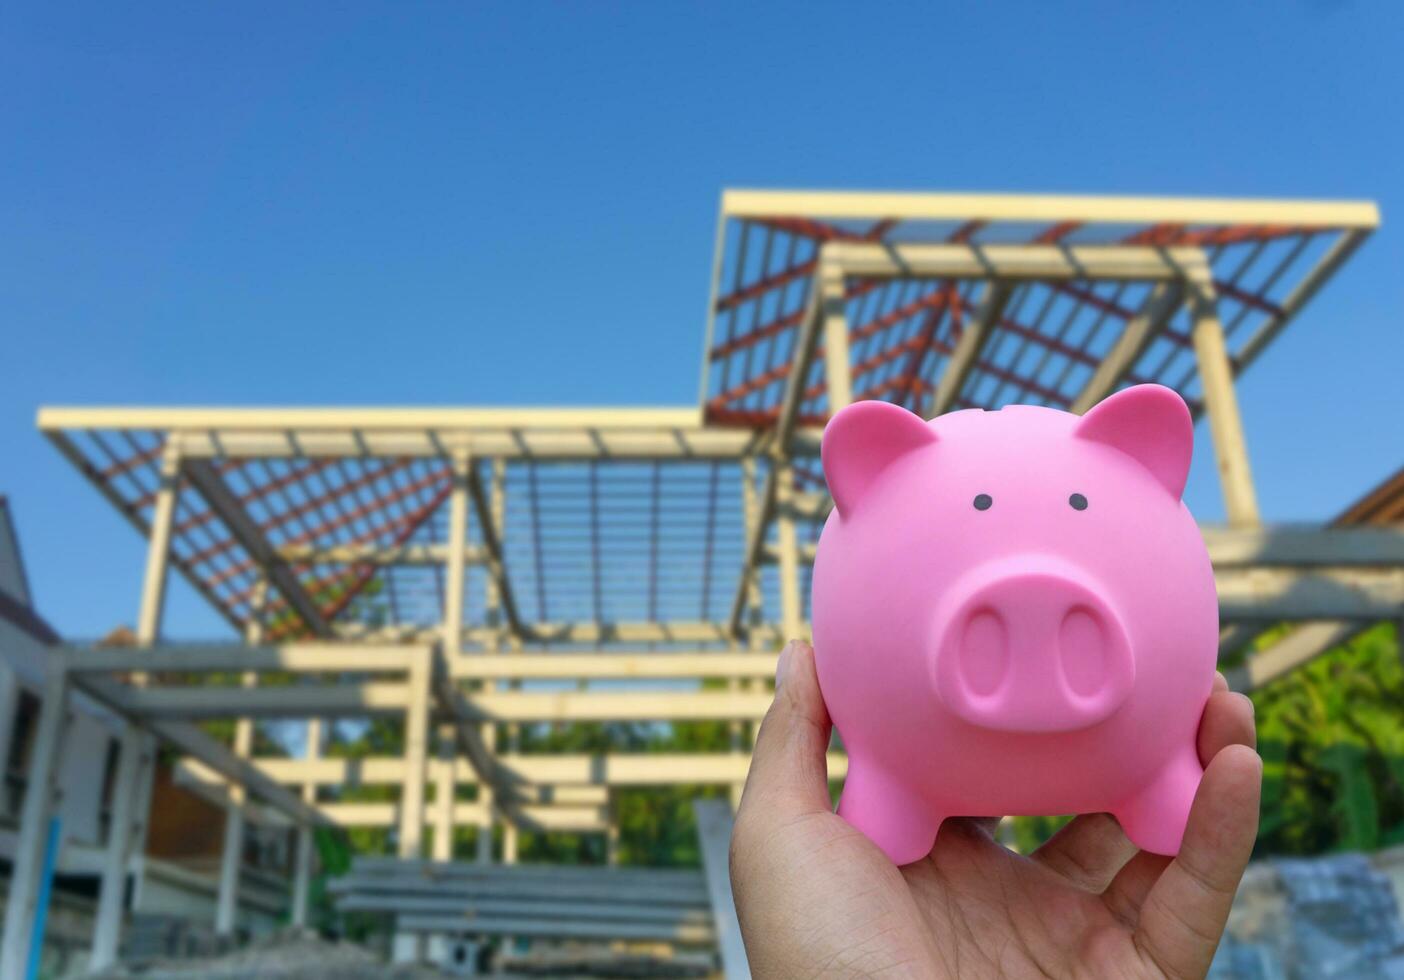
[1221, 404]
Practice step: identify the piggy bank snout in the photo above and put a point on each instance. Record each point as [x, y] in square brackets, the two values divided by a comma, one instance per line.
[1032, 646]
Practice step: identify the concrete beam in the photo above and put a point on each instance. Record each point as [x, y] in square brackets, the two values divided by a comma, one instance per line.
[1305, 545]
[193, 703]
[1302, 645]
[528, 774]
[211, 486]
[1049, 208]
[1160, 306]
[304, 657]
[612, 666]
[970, 346]
[1268, 594]
[1045, 263]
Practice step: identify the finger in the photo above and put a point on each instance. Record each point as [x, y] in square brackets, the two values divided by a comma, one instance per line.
[989, 826]
[1185, 912]
[1227, 720]
[1087, 852]
[789, 771]
[1128, 890]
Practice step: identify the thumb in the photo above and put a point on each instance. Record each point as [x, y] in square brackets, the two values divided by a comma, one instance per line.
[789, 769]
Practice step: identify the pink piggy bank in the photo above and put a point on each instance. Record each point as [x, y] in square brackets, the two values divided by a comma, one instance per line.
[1014, 613]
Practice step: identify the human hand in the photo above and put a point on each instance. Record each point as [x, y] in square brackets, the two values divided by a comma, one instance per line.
[816, 898]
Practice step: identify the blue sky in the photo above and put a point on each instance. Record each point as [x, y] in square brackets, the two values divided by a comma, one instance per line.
[514, 203]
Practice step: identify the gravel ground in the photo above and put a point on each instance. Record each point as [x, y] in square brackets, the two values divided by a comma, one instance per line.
[286, 956]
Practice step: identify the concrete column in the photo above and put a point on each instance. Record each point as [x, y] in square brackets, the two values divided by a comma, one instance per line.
[107, 931]
[407, 947]
[158, 552]
[227, 904]
[1221, 404]
[454, 575]
[302, 877]
[492, 611]
[416, 738]
[493, 607]
[302, 869]
[787, 543]
[9, 704]
[445, 789]
[612, 838]
[22, 907]
[232, 858]
[838, 371]
[137, 762]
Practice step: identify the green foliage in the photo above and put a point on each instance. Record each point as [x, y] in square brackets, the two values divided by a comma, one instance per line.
[1030, 832]
[1331, 735]
[656, 825]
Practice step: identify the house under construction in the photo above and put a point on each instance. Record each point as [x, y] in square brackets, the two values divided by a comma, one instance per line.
[473, 572]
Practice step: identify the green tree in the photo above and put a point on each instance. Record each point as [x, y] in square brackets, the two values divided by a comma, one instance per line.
[1331, 734]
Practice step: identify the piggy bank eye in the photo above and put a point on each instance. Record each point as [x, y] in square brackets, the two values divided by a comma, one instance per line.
[1077, 502]
[983, 501]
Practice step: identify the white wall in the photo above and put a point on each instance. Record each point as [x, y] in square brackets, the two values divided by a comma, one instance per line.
[22, 665]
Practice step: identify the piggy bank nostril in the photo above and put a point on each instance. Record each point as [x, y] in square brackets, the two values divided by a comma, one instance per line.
[1082, 648]
[984, 652]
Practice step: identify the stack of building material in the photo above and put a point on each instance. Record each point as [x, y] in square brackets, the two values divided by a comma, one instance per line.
[1334, 916]
[599, 903]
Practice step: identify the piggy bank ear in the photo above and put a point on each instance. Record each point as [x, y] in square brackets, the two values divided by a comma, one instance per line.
[1152, 425]
[861, 441]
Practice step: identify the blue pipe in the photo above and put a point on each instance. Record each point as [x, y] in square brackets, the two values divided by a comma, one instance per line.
[41, 911]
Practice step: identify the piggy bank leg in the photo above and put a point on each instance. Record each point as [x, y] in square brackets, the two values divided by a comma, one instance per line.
[1155, 818]
[888, 813]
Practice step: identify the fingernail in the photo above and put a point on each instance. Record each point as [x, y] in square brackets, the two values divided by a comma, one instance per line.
[1252, 708]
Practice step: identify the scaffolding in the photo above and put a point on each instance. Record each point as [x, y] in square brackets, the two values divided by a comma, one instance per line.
[473, 571]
